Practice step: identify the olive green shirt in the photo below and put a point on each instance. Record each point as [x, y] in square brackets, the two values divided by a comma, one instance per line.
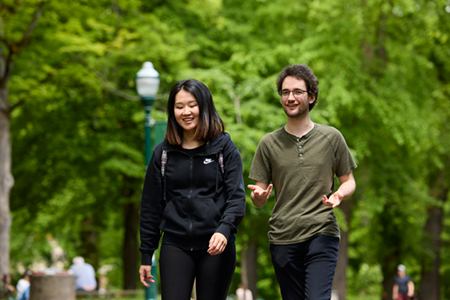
[302, 171]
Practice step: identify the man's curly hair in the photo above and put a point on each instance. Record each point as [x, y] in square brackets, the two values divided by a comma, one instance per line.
[302, 72]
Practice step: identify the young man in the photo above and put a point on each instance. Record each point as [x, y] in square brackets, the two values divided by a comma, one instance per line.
[301, 159]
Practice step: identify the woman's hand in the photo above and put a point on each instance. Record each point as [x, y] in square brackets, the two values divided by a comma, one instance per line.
[145, 273]
[217, 244]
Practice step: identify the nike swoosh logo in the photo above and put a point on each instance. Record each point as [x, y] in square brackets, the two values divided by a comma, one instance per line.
[208, 161]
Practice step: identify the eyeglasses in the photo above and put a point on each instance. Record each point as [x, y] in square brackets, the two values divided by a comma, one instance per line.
[298, 93]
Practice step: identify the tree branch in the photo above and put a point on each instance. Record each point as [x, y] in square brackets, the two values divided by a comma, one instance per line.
[7, 58]
[14, 48]
[16, 105]
[237, 102]
[32, 25]
[5, 41]
[107, 85]
[4, 77]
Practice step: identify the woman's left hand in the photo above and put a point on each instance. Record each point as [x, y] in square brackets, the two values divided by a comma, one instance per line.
[217, 244]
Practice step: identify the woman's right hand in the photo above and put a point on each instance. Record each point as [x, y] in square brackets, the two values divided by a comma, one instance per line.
[145, 273]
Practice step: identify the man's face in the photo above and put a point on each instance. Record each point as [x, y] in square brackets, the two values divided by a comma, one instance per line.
[295, 106]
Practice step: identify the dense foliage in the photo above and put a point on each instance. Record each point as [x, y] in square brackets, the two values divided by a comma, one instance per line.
[77, 133]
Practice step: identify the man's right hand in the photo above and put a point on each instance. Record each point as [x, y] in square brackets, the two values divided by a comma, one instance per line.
[145, 273]
[260, 193]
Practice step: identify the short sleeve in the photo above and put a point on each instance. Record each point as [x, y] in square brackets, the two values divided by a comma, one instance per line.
[344, 159]
[261, 169]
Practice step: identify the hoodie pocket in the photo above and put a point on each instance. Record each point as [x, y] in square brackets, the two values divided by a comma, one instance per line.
[205, 216]
[176, 217]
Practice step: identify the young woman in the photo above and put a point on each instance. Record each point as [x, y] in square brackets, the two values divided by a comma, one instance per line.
[193, 193]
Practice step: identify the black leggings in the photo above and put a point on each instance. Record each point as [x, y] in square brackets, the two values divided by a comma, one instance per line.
[178, 269]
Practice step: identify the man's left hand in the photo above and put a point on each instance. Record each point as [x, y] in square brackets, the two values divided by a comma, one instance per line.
[334, 199]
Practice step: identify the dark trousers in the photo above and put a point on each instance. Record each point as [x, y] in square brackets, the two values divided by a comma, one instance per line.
[305, 270]
[179, 268]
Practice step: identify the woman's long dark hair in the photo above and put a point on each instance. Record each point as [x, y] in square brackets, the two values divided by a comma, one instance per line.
[209, 125]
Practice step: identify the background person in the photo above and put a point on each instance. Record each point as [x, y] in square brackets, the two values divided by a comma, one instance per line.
[197, 203]
[403, 287]
[23, 284]
[301, 160]
[6, 289]
[84, 275]
[243, 293]
[26, 294]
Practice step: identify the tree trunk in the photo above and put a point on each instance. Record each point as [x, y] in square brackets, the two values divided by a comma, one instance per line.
[130, 245]
[8, 51]
[390, 257]
[6, 178]
[388, 283]
[249, 266]
[430, 283]
[340, 277]
[89, 241]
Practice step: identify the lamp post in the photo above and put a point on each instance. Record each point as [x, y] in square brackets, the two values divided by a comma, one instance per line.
[147, 84]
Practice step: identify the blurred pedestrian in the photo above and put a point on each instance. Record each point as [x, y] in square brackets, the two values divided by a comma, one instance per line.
[403, 287]
[26, 294]
[84, 274]
[193, 193]
[23, 284]
[6, 289]
[243, 293]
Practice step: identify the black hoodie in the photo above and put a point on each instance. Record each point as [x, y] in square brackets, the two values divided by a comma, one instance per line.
[194, 199]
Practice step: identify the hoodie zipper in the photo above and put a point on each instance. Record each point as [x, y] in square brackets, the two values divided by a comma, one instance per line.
[191, 174]
[189, 199]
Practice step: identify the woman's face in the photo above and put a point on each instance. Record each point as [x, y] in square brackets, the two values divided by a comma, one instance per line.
[186, 110]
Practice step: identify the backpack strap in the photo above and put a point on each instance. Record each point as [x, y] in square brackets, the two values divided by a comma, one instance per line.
[221, 161]
[163, 169]
[163, 162]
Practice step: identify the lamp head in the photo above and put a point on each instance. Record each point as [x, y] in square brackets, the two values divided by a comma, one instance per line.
[147, 83]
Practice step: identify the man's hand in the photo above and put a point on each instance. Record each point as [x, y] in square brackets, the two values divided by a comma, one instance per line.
[217, 244]
[145, 273]
[88, 288]
[346, 189]
[334, 200]
[260, 193]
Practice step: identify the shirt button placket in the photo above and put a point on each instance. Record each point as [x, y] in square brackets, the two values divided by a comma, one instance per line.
[300, 152]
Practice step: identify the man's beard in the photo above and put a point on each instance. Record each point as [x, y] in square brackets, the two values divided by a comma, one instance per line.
[302, 111]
